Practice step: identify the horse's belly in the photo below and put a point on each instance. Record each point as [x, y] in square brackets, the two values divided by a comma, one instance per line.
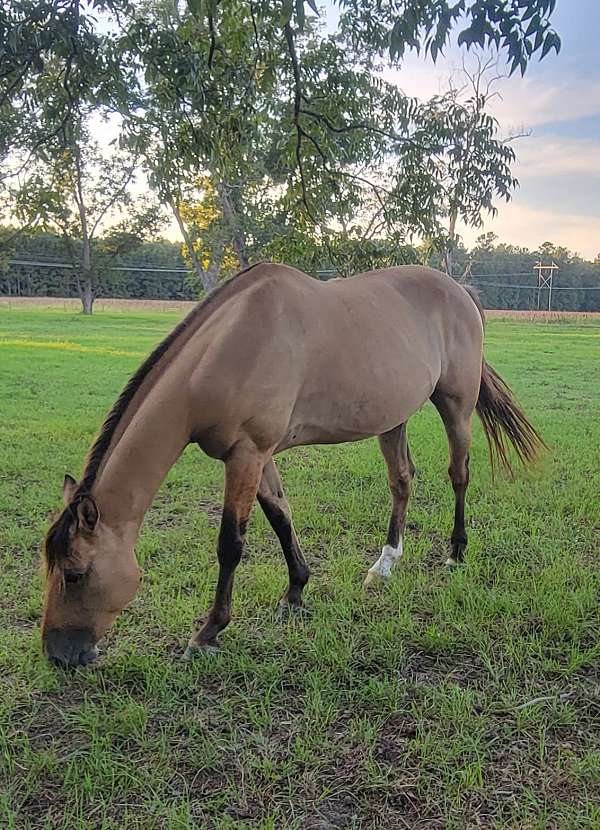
[346, 414]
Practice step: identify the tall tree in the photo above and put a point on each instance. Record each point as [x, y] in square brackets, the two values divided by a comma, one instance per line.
[214, 106]
[468, 162]
[85, 194]
[52, 59]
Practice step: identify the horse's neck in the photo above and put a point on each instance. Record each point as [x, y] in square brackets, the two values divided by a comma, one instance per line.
[134, 469]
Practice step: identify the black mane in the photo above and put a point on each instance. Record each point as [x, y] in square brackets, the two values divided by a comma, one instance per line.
[58, 536]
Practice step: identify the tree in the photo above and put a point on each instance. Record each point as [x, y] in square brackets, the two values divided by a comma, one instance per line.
[257, 99]
[52, 59]
[79, 191]
[467, 163]
[517, 30]
[203, 227]
[217, 113]
[154, 270]
[193, 118]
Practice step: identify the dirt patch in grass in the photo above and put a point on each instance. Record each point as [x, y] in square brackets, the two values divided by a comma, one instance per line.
[170, 511]
[213, 510]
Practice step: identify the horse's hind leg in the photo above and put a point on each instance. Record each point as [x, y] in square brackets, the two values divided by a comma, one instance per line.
[394, 447]
[243, 470]
[277, 510]
[457, 421]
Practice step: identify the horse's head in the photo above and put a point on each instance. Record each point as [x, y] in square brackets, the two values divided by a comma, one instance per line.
[92, 574]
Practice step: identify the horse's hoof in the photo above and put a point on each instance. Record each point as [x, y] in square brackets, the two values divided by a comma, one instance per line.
[372, 579]
[193, 651]
[287, 610]
[453, 563]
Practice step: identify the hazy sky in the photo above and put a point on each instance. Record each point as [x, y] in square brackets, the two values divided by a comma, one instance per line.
[558, 101]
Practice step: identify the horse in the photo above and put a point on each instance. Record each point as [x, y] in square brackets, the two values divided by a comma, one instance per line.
[274, 359]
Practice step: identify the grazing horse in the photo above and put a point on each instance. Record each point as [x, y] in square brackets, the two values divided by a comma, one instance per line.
[273, 359]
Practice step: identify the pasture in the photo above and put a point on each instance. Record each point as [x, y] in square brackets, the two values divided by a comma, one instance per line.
[446, 699]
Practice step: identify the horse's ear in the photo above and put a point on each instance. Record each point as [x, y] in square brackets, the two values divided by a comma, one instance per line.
[87, 513]
[69, 487]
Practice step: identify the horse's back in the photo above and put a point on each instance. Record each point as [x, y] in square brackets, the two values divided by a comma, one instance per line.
[422, 300]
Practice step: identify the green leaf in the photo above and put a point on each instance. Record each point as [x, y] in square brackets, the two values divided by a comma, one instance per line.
[551, 40]
[534, 25]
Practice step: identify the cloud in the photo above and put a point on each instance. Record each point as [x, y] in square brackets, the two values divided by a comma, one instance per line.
[557, 156]
[532, 101]
[522, 225]
[522, 102]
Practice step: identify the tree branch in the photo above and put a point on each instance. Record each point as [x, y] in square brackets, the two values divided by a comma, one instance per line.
[291, 46]
[111, 201]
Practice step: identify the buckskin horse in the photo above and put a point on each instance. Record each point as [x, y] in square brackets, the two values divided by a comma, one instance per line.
[274, 359]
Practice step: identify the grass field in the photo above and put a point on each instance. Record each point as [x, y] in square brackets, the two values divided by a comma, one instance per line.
[445, 700]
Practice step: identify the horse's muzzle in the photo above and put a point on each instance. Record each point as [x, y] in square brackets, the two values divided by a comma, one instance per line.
[70, 646]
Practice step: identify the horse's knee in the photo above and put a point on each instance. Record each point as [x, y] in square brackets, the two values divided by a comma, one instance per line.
[459, 474]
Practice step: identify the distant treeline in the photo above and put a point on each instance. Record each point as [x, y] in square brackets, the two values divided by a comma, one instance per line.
[503, 273]
[48, 276]
[506, 277]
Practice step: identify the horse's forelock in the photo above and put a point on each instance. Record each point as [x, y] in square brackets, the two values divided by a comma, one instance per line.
[58, 539]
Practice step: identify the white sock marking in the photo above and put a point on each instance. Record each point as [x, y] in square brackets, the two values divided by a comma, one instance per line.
[387, 560]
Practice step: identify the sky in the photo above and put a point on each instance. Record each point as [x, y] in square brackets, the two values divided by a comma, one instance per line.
[558, 163]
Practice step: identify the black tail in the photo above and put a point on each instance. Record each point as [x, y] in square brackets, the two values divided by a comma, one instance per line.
[503, 419]
[505, 422]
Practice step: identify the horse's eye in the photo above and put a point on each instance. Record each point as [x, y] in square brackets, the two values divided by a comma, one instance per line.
[74, 577]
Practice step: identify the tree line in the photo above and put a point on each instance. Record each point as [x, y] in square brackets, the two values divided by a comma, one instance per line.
[503, 273]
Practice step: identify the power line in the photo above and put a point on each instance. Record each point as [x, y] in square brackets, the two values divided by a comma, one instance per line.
[42, 264]
[138, 268]
[516, 274]
[554, 287]
[47, 264]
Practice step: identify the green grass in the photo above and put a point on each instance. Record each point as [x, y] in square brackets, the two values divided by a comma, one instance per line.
[413, 706]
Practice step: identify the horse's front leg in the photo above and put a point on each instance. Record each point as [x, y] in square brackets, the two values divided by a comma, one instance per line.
[243, 470]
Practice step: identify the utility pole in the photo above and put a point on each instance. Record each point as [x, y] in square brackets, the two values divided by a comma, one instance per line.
[545, 279]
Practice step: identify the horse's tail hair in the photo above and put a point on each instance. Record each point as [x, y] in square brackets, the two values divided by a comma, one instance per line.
[505, 422]
[503, 419]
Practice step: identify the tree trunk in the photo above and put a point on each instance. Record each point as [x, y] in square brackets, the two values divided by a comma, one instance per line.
[237, 234]
[207, 279]
[212, 273]
[86, 293]
[86, 289]
[449, 252]
[449, 260]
